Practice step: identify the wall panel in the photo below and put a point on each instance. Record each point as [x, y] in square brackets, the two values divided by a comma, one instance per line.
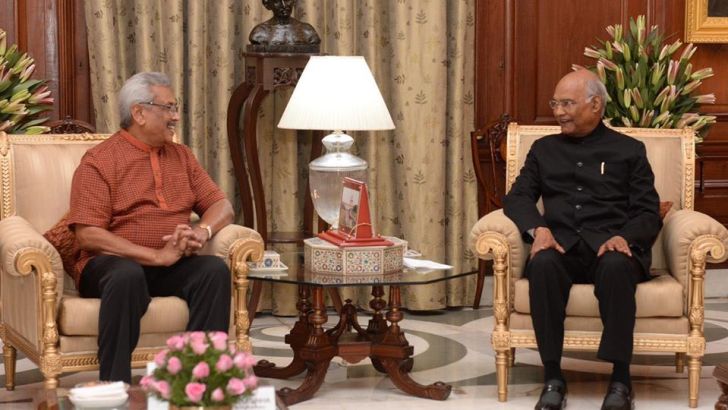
[53, 32]
[525, 46]
[7, 19]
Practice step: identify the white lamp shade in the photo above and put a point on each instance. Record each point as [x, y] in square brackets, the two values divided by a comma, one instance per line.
[336, 93]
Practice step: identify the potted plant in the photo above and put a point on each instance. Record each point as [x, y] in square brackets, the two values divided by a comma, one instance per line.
[23, 101]
[646, 86]
[200, 370]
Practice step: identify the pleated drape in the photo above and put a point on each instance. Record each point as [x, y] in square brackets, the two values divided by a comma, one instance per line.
[421, 52]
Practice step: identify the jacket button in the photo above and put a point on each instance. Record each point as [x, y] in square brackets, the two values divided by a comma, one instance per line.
[578, 230]
[578, 207]
[579, 164]
[579, 188]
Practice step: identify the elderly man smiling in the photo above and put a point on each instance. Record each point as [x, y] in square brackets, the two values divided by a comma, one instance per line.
[601, 217]
[131, 199]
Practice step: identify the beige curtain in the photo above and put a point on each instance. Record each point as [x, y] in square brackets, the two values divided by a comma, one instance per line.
[421, 53]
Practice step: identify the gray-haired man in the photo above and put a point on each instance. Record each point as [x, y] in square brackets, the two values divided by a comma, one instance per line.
[131, 200]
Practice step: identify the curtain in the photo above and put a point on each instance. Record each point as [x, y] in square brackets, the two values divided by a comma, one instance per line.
[421, 52]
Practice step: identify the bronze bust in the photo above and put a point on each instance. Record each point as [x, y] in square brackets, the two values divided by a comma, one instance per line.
[283, 33]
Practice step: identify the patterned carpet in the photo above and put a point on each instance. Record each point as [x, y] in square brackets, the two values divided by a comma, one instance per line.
[454, 346]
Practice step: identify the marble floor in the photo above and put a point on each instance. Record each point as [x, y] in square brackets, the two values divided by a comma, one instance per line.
[454, 346]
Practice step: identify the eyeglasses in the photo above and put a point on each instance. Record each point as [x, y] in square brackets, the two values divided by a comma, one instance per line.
[171, 108]
[567, 105]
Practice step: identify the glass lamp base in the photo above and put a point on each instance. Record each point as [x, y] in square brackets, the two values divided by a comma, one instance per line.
[326, 192]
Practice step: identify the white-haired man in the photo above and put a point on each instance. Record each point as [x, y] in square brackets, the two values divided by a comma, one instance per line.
[131, 200]
[601, 217]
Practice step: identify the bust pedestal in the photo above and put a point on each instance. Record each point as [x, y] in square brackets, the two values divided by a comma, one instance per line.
[264, 73]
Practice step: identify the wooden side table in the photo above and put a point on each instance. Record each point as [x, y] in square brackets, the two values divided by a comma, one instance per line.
[264, 73]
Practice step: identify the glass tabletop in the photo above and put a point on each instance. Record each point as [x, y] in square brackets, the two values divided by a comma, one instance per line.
[295, 272]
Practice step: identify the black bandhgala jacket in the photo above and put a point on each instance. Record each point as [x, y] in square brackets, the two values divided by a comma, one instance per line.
[593, 187]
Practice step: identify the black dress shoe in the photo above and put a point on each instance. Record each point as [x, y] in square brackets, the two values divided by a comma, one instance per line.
[619, 397]
[553, 396]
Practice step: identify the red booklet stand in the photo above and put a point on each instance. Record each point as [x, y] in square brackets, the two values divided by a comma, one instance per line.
[355, 225]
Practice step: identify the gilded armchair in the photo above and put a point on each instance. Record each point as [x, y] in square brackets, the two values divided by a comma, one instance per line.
[687, 241]
[40, 311]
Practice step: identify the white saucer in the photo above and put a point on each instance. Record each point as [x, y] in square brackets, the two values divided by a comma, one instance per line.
[101, 401]
[280, 268]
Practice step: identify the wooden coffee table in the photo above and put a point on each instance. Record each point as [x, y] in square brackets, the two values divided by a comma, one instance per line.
[382, 341]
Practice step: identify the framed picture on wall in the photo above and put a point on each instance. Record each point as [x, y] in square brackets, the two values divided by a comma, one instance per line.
[706, 21]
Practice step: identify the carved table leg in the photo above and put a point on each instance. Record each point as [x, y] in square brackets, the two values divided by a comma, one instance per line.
[377, 325]
[722, 403]
[394, 354]
[721, 376]
[347, 321]
[296, 339]
[316, 353]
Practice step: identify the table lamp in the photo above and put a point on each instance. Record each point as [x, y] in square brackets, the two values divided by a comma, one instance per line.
[335, 93]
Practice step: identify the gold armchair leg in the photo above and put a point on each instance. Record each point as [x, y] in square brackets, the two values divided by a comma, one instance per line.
[679, 362]
[511, 357]
[9, 356]
[50, 366]
[50, 383]
[694, 364]
[501, 369]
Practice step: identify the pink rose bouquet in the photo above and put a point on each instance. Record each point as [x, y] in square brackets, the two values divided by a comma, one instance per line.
[201, 369]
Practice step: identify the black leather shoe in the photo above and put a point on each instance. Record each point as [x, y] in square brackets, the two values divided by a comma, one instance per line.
[619, 397]
[553, 396]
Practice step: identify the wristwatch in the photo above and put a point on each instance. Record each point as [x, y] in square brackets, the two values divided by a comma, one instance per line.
[208, 229]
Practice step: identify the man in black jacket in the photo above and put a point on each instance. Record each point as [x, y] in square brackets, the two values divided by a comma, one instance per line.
[601, 217]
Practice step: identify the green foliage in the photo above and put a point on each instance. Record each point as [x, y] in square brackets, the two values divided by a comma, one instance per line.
[22, 100]
[646, 86]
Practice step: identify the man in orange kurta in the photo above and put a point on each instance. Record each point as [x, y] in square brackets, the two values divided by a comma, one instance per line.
[131, 200]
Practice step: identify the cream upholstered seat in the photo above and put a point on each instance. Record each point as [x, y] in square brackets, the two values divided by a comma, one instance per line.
[42, 314]
[669, 307]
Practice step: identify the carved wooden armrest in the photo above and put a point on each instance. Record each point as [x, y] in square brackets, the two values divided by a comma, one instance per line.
[237, 245]
[690, 239]
[31, 271]
[494, 233]
[496, 237]
[221, 243]
[18, 237]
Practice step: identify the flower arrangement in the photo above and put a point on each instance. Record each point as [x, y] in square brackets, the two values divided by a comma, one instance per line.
[22, 100]
[646, 86]
[199, 369]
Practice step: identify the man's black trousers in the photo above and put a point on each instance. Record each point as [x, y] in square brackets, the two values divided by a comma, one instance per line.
[126, 288]
[615, 277]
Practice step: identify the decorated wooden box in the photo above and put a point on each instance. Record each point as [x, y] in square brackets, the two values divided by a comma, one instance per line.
[321, 256]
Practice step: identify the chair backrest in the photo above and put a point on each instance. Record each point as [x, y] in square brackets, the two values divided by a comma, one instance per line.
[671, 154]
[36, 173]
